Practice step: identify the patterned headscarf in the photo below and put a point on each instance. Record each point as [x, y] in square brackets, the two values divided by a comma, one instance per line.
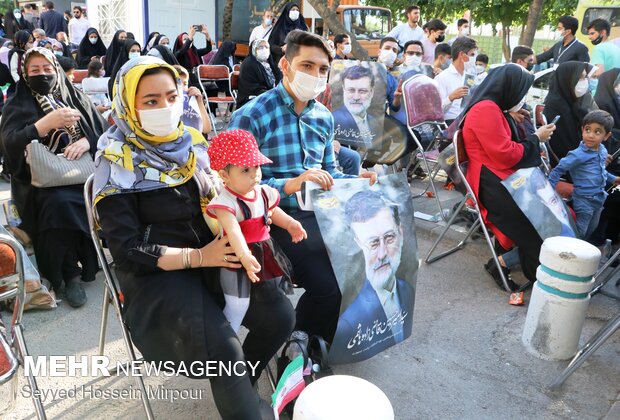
[131, 160]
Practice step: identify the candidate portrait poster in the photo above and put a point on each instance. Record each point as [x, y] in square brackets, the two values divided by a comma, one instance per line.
[370, 237]
[359, 93]
[543, 207]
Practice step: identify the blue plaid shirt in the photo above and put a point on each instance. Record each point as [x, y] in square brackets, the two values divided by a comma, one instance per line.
[295, 143]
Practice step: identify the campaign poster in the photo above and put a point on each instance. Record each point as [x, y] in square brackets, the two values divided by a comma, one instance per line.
[359, 94]
[370, 237]
[544, 208]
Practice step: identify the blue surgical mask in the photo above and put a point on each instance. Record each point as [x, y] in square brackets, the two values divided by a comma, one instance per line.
[592, 85]
[134, 54]
[58, 53]
[268, 22]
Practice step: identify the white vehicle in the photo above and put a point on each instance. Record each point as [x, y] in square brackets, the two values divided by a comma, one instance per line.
[540, 88]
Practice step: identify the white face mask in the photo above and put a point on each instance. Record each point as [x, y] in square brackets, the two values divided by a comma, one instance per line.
[581, 88]
[93, 40]
[480, 68]
[134, 54]
[470, 66]
[18, 16]
[293, 15]
[306, 87]
[387, 57]
[413, 61]
[559, 35]
[262, 54]
[518, 106]
[162, 121]
[464, 32]
[346, 49]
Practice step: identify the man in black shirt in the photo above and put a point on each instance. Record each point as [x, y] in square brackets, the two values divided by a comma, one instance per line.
[568, 49]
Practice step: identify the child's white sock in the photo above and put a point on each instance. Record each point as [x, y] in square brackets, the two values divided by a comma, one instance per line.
[235, 310]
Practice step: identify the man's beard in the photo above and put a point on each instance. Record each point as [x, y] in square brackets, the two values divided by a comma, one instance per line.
[359, 108]
[384, 278]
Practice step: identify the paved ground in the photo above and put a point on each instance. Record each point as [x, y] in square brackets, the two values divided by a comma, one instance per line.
[464, 360]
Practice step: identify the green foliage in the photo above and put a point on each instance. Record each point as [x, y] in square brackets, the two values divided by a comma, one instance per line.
[507, 12]
[6, 5]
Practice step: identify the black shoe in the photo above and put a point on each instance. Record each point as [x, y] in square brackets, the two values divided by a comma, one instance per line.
[491, 268]
[74, 293]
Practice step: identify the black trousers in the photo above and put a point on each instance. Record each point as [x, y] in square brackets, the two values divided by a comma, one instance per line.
[510, 220]
[177, 316]
[318, 308]
[64, 254]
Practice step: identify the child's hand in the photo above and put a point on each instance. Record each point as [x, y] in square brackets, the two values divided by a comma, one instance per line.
[616, 181]
[297, 231]
[251, 265]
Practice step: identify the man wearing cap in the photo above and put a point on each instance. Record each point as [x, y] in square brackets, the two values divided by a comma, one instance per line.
[296, 133]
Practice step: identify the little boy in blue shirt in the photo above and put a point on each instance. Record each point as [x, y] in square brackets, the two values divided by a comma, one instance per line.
[586, 165]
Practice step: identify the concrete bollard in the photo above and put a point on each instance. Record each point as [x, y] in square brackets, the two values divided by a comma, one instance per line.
[560, 298]
[340, 397]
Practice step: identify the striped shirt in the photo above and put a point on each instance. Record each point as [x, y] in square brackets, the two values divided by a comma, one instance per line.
[295, 143]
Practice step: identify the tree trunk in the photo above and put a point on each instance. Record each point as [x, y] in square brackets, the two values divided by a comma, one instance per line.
[227, 24]
[506, 41]
[533, 17]
[331, 19]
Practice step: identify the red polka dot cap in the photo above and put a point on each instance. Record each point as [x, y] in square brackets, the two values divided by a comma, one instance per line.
[235, 147]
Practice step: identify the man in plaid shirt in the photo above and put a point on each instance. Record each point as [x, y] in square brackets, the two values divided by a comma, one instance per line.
[296, 133]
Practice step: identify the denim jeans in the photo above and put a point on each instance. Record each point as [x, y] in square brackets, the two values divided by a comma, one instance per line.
[349, 160]
[588, 210]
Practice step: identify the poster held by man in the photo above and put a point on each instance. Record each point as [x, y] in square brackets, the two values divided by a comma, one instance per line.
[358, 99]
[370, 237]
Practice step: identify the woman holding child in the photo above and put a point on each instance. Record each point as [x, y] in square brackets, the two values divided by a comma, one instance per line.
[152, 185]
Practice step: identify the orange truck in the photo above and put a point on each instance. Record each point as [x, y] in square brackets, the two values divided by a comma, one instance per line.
[367, 23]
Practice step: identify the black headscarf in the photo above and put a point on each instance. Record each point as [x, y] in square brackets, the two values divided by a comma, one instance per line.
[159, 38]
[164, 53]
[12, 25]
[284, 25]
[86, 50]
[561, 100]
[17, 129]
[21, 39]
[113, 51]
[150, 42]
[606, 98]
[121, 59]
[506, 86]
[226, 50]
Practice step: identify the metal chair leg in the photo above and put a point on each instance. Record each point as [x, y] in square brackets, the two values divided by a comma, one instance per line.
[104, 320]
[586, 351]
[492, 248]
[32, 381]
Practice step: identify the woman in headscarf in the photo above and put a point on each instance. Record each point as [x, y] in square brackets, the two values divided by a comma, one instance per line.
[163, 53]
[114, 49]
[290, 19]
[90, 46]
[152, 185]
[59, 50]
[226, 55]
[607, 96]
[258, 73]
[162, 40]
[47, 108]
[4, 52]
[188, 55]
[131, 49]
[495, 152]
[570, 98]
[150, 42]
[23, 42]
[14, 22]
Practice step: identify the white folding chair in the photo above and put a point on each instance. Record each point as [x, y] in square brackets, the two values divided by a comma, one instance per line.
[469, 204]
[111, 295]
[423, 110]
[13, 345]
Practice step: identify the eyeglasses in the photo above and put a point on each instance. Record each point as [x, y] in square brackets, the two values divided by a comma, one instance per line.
[353, 91]
[416, 53]
[389, 241]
